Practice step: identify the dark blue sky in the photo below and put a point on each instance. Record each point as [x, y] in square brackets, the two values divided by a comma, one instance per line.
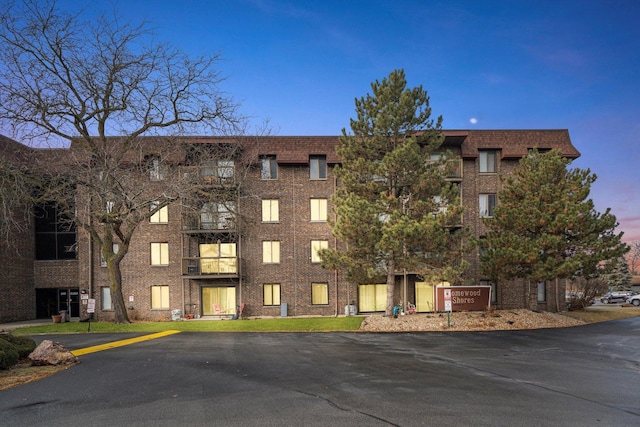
[487, 64]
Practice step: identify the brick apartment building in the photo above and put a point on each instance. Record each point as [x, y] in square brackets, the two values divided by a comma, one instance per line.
[261, 252]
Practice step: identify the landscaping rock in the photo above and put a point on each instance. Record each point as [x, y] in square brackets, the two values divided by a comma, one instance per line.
[52, 353]
[469, 321]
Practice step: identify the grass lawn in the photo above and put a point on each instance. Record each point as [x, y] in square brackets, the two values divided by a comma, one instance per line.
[287, 324]
[599, 313]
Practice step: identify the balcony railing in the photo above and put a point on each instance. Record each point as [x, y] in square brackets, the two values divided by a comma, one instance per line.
[454, 169]
[208, 223]
[210, 266]
[209, 175]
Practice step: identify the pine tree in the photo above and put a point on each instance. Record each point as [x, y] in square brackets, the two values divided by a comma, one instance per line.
[619, 276]
[394, 207]
[545, 227]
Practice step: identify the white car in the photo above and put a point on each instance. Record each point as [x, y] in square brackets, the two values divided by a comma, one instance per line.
[634, 299]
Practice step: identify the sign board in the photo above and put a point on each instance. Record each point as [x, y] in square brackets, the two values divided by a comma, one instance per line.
[463, 298]
[91, 306]
[447, 299]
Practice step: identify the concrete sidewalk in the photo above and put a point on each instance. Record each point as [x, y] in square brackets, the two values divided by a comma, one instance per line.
[8, 327]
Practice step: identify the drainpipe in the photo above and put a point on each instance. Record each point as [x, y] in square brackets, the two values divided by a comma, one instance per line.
[295, 245]
[335, 272]
[90, 270]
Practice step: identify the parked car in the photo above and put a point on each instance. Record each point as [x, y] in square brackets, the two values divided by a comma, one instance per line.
[616, 296]
[634, 299]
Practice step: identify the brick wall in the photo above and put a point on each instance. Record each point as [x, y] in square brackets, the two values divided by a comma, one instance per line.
[294, 231]
[17, 296]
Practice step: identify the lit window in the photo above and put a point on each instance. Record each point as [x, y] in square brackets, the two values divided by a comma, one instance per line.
[487, 204]
[317, 245]
[218, 258]
[268, 167]
[271, 294]
[159, 254]
[161, 216]
[159, 297]
[271, 252]
[318, 167]
[488, 160]
[319, 294]
[318, 209]
[270, 210]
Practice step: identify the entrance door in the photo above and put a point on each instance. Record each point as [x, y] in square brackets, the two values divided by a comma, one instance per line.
[219, 301]
[63, 300]
[74, 302]
[69, 301]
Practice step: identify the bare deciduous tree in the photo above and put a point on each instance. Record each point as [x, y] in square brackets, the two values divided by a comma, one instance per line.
[633, 257]
[121, 100]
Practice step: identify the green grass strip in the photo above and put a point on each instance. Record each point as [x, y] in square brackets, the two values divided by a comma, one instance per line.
[287, 324]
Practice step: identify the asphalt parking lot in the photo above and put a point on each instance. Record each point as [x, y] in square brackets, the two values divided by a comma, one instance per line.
[580, 376]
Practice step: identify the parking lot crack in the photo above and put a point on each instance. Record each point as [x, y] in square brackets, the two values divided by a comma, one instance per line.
[337, 406]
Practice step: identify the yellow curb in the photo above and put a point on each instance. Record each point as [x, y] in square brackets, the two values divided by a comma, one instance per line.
[114, 344]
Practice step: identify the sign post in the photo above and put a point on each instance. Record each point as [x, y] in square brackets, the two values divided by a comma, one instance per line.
[91, 308]
[447, 305]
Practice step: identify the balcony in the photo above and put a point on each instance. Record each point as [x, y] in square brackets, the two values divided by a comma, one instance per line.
[454, 170]
[219, 175]
[208, 223]
[211, 267]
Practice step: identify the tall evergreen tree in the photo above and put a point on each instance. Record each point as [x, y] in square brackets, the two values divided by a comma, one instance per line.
[619, 277]
[545, 227]
[394, 207]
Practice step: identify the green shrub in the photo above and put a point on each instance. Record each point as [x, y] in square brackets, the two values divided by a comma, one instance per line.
[24, 345]
[8, 354]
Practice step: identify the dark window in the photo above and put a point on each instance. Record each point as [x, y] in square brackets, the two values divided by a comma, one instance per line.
[268, 167]
[55, 234]
[488, 161]
[318, 167]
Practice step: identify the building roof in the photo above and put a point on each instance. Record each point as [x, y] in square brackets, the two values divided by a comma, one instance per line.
[515, 144]
[512, 144]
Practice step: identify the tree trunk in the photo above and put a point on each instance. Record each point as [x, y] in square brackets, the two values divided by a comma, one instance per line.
[117, 298]
[391, 286]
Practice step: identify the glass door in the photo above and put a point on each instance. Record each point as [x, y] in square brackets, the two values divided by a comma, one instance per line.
[218, 301]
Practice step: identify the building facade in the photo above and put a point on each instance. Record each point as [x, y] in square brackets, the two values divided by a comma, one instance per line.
[254, 248]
